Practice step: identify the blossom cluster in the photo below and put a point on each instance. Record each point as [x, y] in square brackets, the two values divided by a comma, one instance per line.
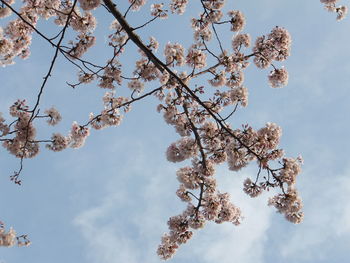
[89, 4]
[137, 4]
[274, 46]
[289, 204]
[111, 115]
[16, 37]
[9, 238]
[178, 6]
[341, 10]
[23, 144]
[216, 207]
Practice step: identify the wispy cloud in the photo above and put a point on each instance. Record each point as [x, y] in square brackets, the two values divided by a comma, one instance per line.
[106, 242]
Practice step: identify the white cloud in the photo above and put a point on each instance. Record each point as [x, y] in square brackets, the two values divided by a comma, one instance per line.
[106, 241]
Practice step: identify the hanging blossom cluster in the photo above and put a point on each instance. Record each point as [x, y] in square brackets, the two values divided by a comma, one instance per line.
[9, 238]
[331, 6]
[198, 112]
[22, 144]
[208, 140]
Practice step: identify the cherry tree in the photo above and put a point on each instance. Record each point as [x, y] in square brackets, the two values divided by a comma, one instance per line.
[200, 87]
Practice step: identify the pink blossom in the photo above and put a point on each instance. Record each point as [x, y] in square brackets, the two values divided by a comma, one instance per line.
[89, 4]
[189, 177]
[288, 204]
[278, 78]
[78, 135]
[85, 41]
[218, 80]
[251, 189]
[159, 11]
[178, 6]
[135, 85]
[59, 142]
[137, 4]
[7, 239]
[196, 58]
[237, 20]
[291, 168]
[183, 194]
[211, 206]
[4, 128]
[183, 149]
[54, 116]
[174, 53]
[240, 95]
[240, 40]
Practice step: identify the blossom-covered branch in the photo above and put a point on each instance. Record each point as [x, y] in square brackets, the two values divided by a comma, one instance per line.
[200, 113]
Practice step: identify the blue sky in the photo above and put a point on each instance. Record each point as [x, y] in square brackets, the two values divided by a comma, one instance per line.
[109, 201]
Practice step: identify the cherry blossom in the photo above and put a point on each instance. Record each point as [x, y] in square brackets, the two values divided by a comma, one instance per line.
[341, 10]
[200, 86]
[9, 238]
[54, 116]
